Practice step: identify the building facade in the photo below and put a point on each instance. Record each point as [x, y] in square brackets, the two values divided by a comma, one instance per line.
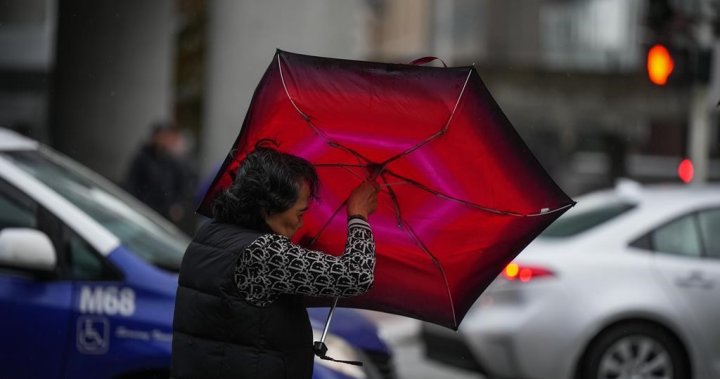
[90, 77]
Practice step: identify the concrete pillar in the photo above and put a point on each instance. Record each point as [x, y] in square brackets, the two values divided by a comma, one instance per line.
[113, 78]
[700, 119]
[242, 38]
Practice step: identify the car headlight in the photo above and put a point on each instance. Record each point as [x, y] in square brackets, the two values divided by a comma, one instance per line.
[340, 349]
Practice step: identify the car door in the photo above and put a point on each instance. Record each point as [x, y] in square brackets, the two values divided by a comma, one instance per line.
[100, 304]
[35, 308]
[687, 260]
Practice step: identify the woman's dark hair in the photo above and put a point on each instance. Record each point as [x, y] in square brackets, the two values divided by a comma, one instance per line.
[266, 183]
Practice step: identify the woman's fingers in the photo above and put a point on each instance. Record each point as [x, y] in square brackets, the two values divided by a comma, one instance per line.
[363, 199]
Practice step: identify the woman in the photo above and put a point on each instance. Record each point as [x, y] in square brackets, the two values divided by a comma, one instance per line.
[239, 311]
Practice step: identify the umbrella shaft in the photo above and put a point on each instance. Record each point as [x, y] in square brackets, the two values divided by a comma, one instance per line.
[327, 323]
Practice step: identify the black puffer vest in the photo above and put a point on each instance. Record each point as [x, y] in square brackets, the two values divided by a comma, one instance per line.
[216, 334]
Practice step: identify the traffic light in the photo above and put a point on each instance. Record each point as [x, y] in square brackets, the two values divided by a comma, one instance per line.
[672, 56]
[660, 64]
[670, 65]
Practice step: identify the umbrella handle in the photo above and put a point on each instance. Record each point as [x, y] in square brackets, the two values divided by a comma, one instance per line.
[319, 346]
[329, 319]
[426, 60]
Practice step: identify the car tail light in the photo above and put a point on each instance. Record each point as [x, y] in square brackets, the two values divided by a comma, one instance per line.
[524, 273]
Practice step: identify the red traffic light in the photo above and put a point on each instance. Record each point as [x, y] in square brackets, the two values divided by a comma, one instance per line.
[659, 64]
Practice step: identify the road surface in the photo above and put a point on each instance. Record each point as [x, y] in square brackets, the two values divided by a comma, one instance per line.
[410, 362]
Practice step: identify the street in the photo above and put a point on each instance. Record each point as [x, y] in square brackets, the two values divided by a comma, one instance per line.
[410, 362]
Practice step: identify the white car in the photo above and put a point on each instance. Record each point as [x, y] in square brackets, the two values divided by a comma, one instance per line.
[626, 285]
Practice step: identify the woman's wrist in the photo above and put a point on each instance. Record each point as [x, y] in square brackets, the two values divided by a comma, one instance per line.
[357, 216]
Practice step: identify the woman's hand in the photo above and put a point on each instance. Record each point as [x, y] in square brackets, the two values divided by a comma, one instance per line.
[363, 199]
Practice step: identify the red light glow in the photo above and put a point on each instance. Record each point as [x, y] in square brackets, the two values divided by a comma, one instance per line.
[514, 271]
[685, 171]
[525, 275]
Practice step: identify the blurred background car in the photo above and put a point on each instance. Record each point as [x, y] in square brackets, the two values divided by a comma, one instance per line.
[88, 277]
[625, 285]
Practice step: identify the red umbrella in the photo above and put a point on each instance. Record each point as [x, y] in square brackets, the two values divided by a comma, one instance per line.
[461, 194]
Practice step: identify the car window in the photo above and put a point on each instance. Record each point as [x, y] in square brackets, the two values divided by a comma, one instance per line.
[16, 209]
[681, 237]
[710, 228]
[85, 263]
[139, 229]
[574, 223]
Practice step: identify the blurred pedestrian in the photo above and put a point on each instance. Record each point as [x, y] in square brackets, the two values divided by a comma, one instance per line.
[161, 175]
[239, 310]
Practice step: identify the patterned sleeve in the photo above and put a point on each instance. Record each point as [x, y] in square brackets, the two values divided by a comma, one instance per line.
[272, 265]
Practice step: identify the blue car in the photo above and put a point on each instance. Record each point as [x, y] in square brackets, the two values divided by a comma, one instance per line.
[88, 278]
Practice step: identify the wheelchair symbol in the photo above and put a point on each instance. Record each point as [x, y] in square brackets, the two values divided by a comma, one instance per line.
[93, 334]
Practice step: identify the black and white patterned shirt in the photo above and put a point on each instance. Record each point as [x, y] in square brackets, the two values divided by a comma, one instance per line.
[272, 265]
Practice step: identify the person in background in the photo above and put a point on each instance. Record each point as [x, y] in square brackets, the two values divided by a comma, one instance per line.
[161, 176]
[239, 311]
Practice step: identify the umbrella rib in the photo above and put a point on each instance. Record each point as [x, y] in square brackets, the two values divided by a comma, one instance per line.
[337, 165]
[322, 229]
[292, 101]
[547, 212]
[394, 199]
[410, 150]
[353, 172]
[448, 197]
[386, 186]
[437, 264]
[309, 122]
[344, 166]
[440, 132]
[302, 114]
[425, 188]
[348, 150]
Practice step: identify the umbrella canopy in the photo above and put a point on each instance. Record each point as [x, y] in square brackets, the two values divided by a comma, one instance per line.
[461, 194]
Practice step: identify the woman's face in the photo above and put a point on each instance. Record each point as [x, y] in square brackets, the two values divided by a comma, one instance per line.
[288, 222]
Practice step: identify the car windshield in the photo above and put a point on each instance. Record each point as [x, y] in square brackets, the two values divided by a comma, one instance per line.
[573, 223]
[137, 227]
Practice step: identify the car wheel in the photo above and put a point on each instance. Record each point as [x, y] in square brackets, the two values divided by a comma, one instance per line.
[635, 351]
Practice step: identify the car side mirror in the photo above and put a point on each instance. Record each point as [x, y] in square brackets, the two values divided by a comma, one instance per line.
[28, 249]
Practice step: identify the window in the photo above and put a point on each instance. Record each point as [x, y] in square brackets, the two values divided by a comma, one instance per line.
[82, 262]
[679, 237]
[140, 230]
[85, 264]
[693, 235]
[574, 223]
[710, 229]
[16, 209]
